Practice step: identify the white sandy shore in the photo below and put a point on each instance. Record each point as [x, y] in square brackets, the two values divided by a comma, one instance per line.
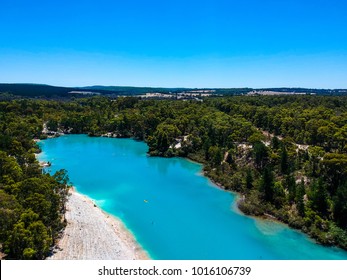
[92, 234]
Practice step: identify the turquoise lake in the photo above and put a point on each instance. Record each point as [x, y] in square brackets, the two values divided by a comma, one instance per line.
[173, 211]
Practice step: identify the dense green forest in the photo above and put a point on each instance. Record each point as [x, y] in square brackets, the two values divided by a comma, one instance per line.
[32, 204]
[285, 155]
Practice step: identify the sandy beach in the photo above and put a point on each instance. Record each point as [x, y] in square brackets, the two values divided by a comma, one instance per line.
[92, 234]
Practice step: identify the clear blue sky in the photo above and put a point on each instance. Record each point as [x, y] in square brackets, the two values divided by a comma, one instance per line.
[211, 43]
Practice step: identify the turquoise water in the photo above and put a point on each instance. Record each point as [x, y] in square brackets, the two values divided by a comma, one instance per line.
[173, 211]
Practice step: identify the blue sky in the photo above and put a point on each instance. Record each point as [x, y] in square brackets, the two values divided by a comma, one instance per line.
[217, 43]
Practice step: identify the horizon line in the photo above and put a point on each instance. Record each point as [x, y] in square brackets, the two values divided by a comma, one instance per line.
[172, 87]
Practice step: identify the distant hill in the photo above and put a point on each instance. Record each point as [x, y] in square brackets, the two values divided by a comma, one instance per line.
[35, 90]
[306, 90]
[128, 90]
[123, 90]
[54, 92]
[47, 91]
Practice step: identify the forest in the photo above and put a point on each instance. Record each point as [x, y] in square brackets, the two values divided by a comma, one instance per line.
[32, 204]
[285, 155]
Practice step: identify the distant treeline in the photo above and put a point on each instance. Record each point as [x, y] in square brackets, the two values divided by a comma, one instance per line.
[41, 91]
[47, 91]
[123, 90]
[12, 91]
[308, 91]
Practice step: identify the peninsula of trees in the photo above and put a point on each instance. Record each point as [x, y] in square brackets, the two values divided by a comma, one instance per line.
[285, 155]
